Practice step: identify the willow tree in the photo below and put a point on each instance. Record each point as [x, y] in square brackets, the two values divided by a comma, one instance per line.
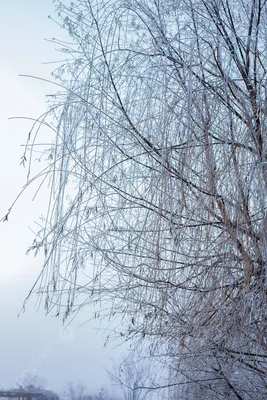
[158, 183]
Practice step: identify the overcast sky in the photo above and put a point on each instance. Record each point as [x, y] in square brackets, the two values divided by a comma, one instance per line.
[32, 342]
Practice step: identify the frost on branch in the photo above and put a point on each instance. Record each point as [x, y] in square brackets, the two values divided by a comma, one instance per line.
[158, 184]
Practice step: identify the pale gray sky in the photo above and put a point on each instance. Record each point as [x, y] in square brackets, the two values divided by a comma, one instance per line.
[33, 342]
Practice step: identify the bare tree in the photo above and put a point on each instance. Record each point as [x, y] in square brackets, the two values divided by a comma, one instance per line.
[75, 391]
[31, 382]
[78, 391]
[35, 385]
[158, 183]
[132, 377]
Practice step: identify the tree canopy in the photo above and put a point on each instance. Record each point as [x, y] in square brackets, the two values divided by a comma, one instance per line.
[158, 177]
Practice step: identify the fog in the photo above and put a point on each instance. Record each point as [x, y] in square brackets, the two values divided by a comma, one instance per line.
[33, 343]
